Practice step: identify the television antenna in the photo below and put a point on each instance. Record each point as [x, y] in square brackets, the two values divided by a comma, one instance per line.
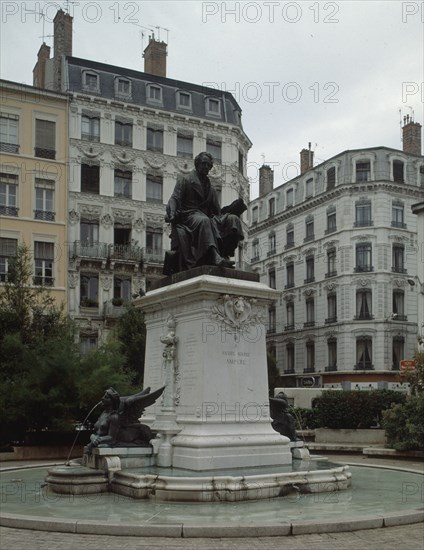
[43, 17]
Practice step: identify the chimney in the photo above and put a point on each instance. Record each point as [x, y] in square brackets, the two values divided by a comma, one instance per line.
[266, 180]
[62, 24]
[39, 71]
[306, 159]
[155, 57]
[411, 136]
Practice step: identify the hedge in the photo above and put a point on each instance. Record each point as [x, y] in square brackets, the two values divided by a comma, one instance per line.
[404, 424]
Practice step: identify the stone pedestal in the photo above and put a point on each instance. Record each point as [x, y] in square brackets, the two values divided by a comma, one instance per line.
[220, 372]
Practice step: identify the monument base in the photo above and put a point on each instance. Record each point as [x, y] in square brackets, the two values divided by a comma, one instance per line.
[220, 380]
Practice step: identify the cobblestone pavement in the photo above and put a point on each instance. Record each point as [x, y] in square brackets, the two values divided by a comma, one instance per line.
[408, 537]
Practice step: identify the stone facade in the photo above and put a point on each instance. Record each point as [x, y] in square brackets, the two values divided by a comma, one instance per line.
[340, 243]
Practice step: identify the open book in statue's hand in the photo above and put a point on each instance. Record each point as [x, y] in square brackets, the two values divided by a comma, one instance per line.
[237, 207]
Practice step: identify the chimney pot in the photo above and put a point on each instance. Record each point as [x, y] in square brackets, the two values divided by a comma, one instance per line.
[411, 132]
[306, 160]
[155, 57]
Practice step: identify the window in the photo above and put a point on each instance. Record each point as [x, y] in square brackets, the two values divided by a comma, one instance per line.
[309, 188]
[43, 263]
[154, 242]
[271, 278]
[90, 127]
[310, 269]
[271, 319]
[45, 139]
[363, 171]
[213, 107]
[331, 178]
[214, 148]
[89, 231]
[122, 183]
[271, 243]
[44, 200]
[310, 356]
[398, 307]
[290, 236]
[121, 234]
[89, 290]
[154, 93]
[364, 354]
[310, 313]
[290, 316]
[185, 146]
[290, 275]
[331, 220]
[155, 139]
[184, 100]
[332, 354]
[241, 162]
[309, 229]
[422, 176]
[398, 258]
[363, 258]
[123, 133]
[363, 305]
[331, 263]
[255, 250]
[363, 214]
[91, 82]
[8, 194]
[290, 358]
[255, 214]
[87, 342]
[397, 351]
[122, 88]
[90, 179]
[9, 126]
[398, 166]
[154, 186]
[8, 249]
[122, 288]
[398, 215]
[271, 207]
[289, 198]
[331, 308]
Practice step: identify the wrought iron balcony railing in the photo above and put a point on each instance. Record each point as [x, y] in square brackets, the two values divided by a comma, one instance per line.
[44, 215]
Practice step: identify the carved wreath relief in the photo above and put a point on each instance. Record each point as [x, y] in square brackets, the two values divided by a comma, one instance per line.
[237, 312]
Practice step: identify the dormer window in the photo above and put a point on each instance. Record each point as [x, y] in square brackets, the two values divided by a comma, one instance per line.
[213, 107]
[183, 100]
[309, 188]
[91, 81]
[154, 93]
[363, 171]
[398, 176]
[122, 87]
[289, 198]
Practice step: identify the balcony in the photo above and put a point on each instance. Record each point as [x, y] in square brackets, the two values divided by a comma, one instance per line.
[309, 238]
[154, 256]
[90, 137]
[289, 371]
[254, 259]
[363, 317]
[330, 368]
[128, 252]
[89, 302]
[309, 324]
[44, 153]
[289, 327]
[309, 370]
[364, 366]
[330, 230]
[363, 223]
[271, 252]
[397, 317]
[289, 285]
[309, 280]
[289, 245]
[331, 320]
[44, 215]
[401, 225]
[8, 210]
[399, 269]
[86, 249]
[331, 274]
[363, 268]
[114, 308]
[123, 142]
[9, 147]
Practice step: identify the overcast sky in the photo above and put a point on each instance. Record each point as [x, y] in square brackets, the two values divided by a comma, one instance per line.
[334, 74]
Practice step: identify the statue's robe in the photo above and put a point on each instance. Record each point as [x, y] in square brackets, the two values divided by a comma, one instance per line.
[199, 223]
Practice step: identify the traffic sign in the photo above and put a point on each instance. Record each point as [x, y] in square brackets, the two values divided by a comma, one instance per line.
[407, 366]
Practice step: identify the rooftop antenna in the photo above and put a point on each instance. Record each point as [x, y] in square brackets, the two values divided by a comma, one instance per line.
[163, 29]
[43, 17]
[263, 158]
[67, 2]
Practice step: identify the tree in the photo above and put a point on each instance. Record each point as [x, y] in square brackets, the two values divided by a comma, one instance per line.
[131, 335]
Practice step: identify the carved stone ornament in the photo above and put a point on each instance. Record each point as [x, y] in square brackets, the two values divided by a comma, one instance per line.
[139, 225]
[399, 282]
[106, 221]
[90, 211]
[123, 215]
[236, 312]
[366, 237]
[106, 282]
[73, 217]
[363, 282]
[309, 292]
[122, 156]
[155, 161]
[73, 279]
[331, 244]
[289, 297]
[91, 151]
[331, 286]
[182, 165]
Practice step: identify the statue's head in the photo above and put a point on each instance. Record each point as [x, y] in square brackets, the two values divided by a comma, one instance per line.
[111, 396]
[203, 163]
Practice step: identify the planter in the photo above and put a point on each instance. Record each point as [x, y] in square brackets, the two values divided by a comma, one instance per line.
[368, 437]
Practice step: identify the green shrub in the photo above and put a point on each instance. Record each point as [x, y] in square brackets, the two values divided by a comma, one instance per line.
[353, 409]
[305, 418]
[404, 424]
